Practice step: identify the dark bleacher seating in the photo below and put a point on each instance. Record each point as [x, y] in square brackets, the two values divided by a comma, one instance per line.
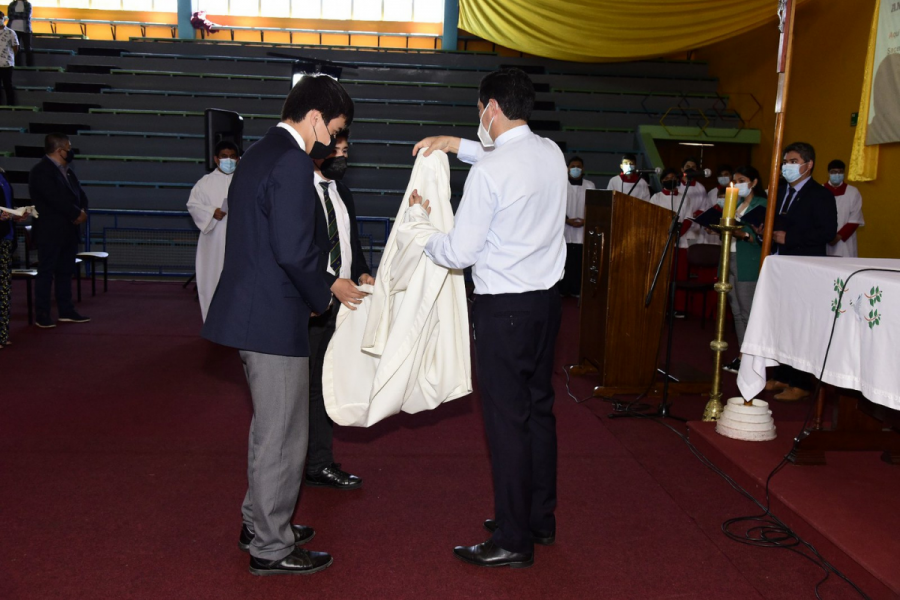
[135, 110]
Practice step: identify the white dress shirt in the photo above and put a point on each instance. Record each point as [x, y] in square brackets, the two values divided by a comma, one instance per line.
[294, 134]
[575, 209]
[509, 225]
[342, 216]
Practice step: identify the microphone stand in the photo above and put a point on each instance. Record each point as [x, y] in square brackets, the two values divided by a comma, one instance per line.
[662, 410]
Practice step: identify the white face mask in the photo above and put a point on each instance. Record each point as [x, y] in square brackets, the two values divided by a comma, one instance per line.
[227, 165]
[723, 181]
[484, 135]
[791, 172]
[836, 179]
[744, 189]
[627, 168]
[575, 172]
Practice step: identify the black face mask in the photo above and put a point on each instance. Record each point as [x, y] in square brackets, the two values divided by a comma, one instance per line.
[670, 185]
[320, 150]
[70, 156]
[334, 167]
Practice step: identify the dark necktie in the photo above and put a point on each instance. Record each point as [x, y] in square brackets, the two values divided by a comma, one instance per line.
[334, 239]
[788, 198]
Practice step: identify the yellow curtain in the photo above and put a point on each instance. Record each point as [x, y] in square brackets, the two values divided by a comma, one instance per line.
[864, 159]
[609, 30]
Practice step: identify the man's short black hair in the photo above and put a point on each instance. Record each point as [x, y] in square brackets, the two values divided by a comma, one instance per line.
[574, 158]
[226, 145]
[692, 159]
[54, 141]
[724, 167]
[670, 171]
[630, 156]
[321, 93]
[836, 164]
[343, 134]
[806, 151]
[512, 89]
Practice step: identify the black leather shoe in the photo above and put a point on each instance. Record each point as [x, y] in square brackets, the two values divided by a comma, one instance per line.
[302, 534]
[489, 554]
[332, 476]
[298, 562]
[543, 540]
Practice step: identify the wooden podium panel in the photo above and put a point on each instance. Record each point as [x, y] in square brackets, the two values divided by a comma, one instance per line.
[624, 238]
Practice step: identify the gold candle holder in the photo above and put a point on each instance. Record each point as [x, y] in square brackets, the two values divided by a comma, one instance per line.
[726, 227]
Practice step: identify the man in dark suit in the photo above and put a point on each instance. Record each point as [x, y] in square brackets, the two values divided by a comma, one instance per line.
[270, 284]
[61, 205]
[806, 222]
[337, 230]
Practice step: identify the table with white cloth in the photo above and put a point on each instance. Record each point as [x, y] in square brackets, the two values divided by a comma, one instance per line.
[794, 308]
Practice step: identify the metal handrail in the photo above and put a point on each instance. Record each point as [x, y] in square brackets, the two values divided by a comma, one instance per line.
[83, 23]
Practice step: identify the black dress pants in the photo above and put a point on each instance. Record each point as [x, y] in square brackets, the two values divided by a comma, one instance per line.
[515, 336]
[7, 86]
[25, 38]
[793, 377]
[571, 283]
[321, 439]
[56, 265]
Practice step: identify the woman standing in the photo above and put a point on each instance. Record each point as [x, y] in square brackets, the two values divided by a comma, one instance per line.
[7, 247]
[745, 251]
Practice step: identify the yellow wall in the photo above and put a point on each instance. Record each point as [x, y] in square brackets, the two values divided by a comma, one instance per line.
[103, 32]
[830, 39]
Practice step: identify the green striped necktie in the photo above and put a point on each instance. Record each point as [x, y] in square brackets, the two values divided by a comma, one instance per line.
[334, 239]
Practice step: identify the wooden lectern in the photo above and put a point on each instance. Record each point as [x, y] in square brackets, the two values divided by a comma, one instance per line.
[624, 238]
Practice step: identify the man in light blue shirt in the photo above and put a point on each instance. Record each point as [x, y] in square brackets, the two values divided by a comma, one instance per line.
[509, 229]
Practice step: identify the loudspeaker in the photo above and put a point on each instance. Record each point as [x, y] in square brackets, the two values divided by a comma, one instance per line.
[222, 125]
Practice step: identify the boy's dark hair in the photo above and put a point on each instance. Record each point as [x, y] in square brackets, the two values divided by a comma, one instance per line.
[692, 159]
[670, 171]
[726, 168]
[226, 145]
[343, 134]
[321, 93]
[512, 89]
[630, 156]
[836, 164]
[574, 158]
[54, 141]
[806, 151]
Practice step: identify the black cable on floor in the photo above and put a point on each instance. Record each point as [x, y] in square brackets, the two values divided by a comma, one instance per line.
[767, 530]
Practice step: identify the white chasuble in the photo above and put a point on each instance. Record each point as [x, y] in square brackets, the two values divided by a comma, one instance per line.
[209, 194]
[406, 346]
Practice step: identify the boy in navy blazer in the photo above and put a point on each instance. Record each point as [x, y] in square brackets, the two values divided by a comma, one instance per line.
[271, 283]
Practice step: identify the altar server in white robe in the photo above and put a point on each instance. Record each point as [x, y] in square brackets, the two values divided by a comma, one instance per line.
[628, 181]
[578, 186]
[849, 212]
[209, 209]
[509, 229]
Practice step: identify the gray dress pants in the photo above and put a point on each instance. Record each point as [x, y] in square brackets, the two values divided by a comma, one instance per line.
[741, 299]
[279, 434]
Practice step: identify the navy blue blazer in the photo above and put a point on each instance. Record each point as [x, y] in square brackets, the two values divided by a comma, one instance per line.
[811, 221]
[271, 279]
[58, 200]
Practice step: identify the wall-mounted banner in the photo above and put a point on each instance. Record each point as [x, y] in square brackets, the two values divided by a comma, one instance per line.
[884, 108]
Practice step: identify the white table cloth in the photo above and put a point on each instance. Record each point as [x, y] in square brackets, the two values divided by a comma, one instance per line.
[792, 316]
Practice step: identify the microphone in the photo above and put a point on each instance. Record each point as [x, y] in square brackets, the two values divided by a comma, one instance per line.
[655, 171]
[696, 174]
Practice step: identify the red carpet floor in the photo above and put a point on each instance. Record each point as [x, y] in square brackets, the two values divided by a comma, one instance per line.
[122, 469]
